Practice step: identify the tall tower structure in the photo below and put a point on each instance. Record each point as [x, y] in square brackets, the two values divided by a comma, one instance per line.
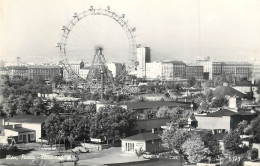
[143, 57]
[99, 74]
[18, 61]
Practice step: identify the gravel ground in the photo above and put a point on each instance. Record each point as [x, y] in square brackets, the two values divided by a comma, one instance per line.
[95, 158]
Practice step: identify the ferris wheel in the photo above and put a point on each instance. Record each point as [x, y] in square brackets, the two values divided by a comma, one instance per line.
[64, 44]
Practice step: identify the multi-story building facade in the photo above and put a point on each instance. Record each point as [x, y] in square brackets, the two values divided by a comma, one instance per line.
[167, 71]
[194, 71]
[3, 71]
[20, 71]
[143, 57]
[207, 67]
[115, 68]
[72, 69]
[154, 71]
[256, 70]
[216, 69]
[83, 72]
[212, 68]
[179, 69]
[44, 71]
[238, 69]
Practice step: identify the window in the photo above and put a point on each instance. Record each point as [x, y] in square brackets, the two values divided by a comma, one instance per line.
[20, 138]
[32, 137]
[130, 147]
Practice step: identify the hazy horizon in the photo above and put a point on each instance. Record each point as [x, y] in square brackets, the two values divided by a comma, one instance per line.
[173, 29]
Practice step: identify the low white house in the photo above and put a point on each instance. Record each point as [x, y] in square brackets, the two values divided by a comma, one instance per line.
[23, 128]
[148, 142]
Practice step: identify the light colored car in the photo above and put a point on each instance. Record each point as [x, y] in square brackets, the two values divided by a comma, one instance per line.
[69, 158]
[80, 149]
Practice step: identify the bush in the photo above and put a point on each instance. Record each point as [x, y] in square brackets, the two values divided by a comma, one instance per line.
[140, 152]
[254, 153]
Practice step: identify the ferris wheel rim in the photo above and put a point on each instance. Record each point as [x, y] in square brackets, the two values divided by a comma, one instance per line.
[92, 12]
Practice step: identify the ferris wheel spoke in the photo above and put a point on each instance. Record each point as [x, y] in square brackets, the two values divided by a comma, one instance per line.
[73, 44]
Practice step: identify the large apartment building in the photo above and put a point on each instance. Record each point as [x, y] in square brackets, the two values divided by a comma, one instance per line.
[194, 71]
[43, 71]
[167, 71]
[256, 70]
[143, 57]
[212, 68]
[20, 71]
[154, 71]
[238, 69]
[115, 68]
[179, 69]
[32, 71]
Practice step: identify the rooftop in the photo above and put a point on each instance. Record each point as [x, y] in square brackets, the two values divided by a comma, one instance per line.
[243, 111]
[144, 136]
[154, 104]
[86, 68]
[175, 62]
[222, 112]
[3, 69]
[243, 83]
[17, 67]
[25, 118]
[20, 130]
[44, 67]
[227, 90]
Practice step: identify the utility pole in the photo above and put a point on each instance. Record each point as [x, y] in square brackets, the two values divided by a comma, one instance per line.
[102, 85]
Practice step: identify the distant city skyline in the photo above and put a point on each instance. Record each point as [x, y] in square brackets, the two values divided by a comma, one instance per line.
[174, 30]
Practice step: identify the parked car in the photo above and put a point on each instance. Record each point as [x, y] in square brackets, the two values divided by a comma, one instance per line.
[69, 158]
[80, 149]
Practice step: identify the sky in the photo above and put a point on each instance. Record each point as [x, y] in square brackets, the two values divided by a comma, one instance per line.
[225, 30]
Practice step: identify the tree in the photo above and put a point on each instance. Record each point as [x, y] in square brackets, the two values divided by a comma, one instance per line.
[209, 83]
[194, 149]
[173, 138]
[83, 126]
[150, 113]
[243, 127]
[180, 116]
[255, 123]
[52, 127]
[232, 142]
[10, 106]
[212, 144]
[163, 112]
[71, 129]
[191, 81]
[218, 102]
[56, 79]
[55, 107]
[23, 104]
[209, 95]
[258, 87]
[112, 122]
[39, 107]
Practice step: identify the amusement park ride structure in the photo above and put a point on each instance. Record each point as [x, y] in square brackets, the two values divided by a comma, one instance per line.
[99, 77]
